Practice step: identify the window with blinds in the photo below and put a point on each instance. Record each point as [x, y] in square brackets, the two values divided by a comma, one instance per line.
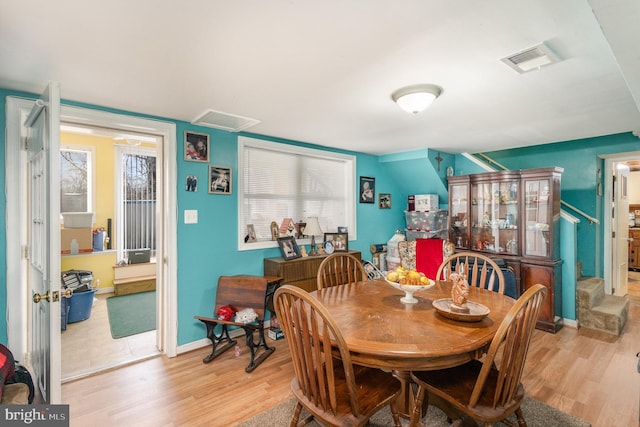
[136, 200]
[76, 179]
[278, 181]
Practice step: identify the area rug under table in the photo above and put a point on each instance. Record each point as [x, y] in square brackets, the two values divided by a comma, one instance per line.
[536, 413]
[132, 314]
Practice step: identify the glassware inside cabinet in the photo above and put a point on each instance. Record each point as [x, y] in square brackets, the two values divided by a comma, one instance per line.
[537, 220]
[494, 216]
[459, 232]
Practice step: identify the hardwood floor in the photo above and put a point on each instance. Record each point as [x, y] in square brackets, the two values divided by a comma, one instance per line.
[586, 376]
[87, 346]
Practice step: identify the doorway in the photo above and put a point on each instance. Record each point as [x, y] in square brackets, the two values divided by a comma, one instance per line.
[109, 177]
[622, 175]
[18, 317]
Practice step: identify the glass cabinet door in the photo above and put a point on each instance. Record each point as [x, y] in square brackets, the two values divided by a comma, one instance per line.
[494, 217]
[459, 229]
[537, 221]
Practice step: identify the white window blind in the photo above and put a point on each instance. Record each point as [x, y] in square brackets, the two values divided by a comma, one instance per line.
[278, 181]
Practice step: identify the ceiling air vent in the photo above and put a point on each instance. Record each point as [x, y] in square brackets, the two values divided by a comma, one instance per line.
[531, 59]
[224, 121]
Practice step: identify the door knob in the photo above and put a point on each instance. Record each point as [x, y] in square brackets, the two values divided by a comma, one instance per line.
[37, 297]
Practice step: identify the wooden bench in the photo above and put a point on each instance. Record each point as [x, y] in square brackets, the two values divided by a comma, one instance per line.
[133, 278]
[241, 292]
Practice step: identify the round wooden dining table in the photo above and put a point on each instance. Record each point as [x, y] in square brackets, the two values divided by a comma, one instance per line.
[383, 332]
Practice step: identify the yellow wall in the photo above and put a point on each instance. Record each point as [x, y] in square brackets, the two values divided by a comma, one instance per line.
[100, 263]
[103, 163]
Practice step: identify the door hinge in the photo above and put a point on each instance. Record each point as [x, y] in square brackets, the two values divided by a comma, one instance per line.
[25, 143]
[25, 252]
[613, 234]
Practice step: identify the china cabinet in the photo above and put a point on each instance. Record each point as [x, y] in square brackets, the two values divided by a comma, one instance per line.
[514, 215]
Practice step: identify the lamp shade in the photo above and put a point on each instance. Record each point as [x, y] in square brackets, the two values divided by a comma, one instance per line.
[313, 227]
[416, 98]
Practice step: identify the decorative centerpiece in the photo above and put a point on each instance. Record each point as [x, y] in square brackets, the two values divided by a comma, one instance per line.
[458, 307]
[459, 293]
[408, 281]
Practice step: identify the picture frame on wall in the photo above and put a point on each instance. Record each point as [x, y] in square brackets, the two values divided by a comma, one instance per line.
[219, 179]
[289, 248]
[367, 189]
[196, 146]
[339, 242]
[384, 201]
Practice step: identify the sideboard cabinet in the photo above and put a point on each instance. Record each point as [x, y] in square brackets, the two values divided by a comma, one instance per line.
[514, 215]
[300, 272]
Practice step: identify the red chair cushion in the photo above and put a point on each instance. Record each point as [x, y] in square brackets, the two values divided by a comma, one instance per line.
[429, 256]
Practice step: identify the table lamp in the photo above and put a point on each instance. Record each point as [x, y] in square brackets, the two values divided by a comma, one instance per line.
[313, 229]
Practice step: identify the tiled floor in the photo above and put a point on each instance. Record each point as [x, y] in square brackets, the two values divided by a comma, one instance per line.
[87, 346]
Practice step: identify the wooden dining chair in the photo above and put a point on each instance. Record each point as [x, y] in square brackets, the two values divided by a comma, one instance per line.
[489, 390]
[339, 269]
[326, 383]
[481, 271]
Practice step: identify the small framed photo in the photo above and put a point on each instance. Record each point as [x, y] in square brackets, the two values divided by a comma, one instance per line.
[191, 184]
[339, 241]
[219, 179]
[196, 146]
[367, 189]
[251, 234]
[384, 201]
[289, 248]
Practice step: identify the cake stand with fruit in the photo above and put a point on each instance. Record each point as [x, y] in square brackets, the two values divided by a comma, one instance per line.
[408, 281]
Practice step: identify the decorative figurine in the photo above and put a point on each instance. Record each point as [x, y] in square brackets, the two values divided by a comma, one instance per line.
[459, 293]
[303, 251]
[448, 249]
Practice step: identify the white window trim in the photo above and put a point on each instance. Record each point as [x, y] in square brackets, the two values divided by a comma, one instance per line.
[92, 170]
[275, 146]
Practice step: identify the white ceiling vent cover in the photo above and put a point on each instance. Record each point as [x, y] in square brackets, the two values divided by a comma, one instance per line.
[224, 121]
[532, 58]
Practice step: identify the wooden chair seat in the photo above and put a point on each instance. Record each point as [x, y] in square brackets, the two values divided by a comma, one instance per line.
[489, 390]
[326, 383]
[241, 292]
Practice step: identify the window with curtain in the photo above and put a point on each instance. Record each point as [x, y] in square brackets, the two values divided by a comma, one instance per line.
[136, 199]
[76, 179]
[278, 181]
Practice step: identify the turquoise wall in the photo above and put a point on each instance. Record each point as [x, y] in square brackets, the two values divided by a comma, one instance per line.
[209, 249]
[580, 161]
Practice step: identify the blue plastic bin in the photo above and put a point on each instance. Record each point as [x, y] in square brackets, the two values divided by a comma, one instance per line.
[64, 313]
[80, 306]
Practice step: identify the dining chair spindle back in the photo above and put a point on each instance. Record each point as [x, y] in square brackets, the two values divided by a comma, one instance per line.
[340, 269]
[489, 390]
[481, 271]
[326, 383]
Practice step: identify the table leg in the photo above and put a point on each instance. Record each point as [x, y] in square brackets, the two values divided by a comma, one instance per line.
[406, 399]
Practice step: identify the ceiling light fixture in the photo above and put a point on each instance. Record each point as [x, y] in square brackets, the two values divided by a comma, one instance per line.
[416, 98]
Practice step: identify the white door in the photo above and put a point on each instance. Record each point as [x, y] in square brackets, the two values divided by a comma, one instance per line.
[43, 228]
[620, 219]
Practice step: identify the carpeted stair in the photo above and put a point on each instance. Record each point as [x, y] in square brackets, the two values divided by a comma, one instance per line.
[597, 311]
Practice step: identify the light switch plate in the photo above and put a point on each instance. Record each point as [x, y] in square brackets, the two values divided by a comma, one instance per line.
[190, 216]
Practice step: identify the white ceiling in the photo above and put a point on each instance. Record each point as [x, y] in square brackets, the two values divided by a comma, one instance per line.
[323, 72]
